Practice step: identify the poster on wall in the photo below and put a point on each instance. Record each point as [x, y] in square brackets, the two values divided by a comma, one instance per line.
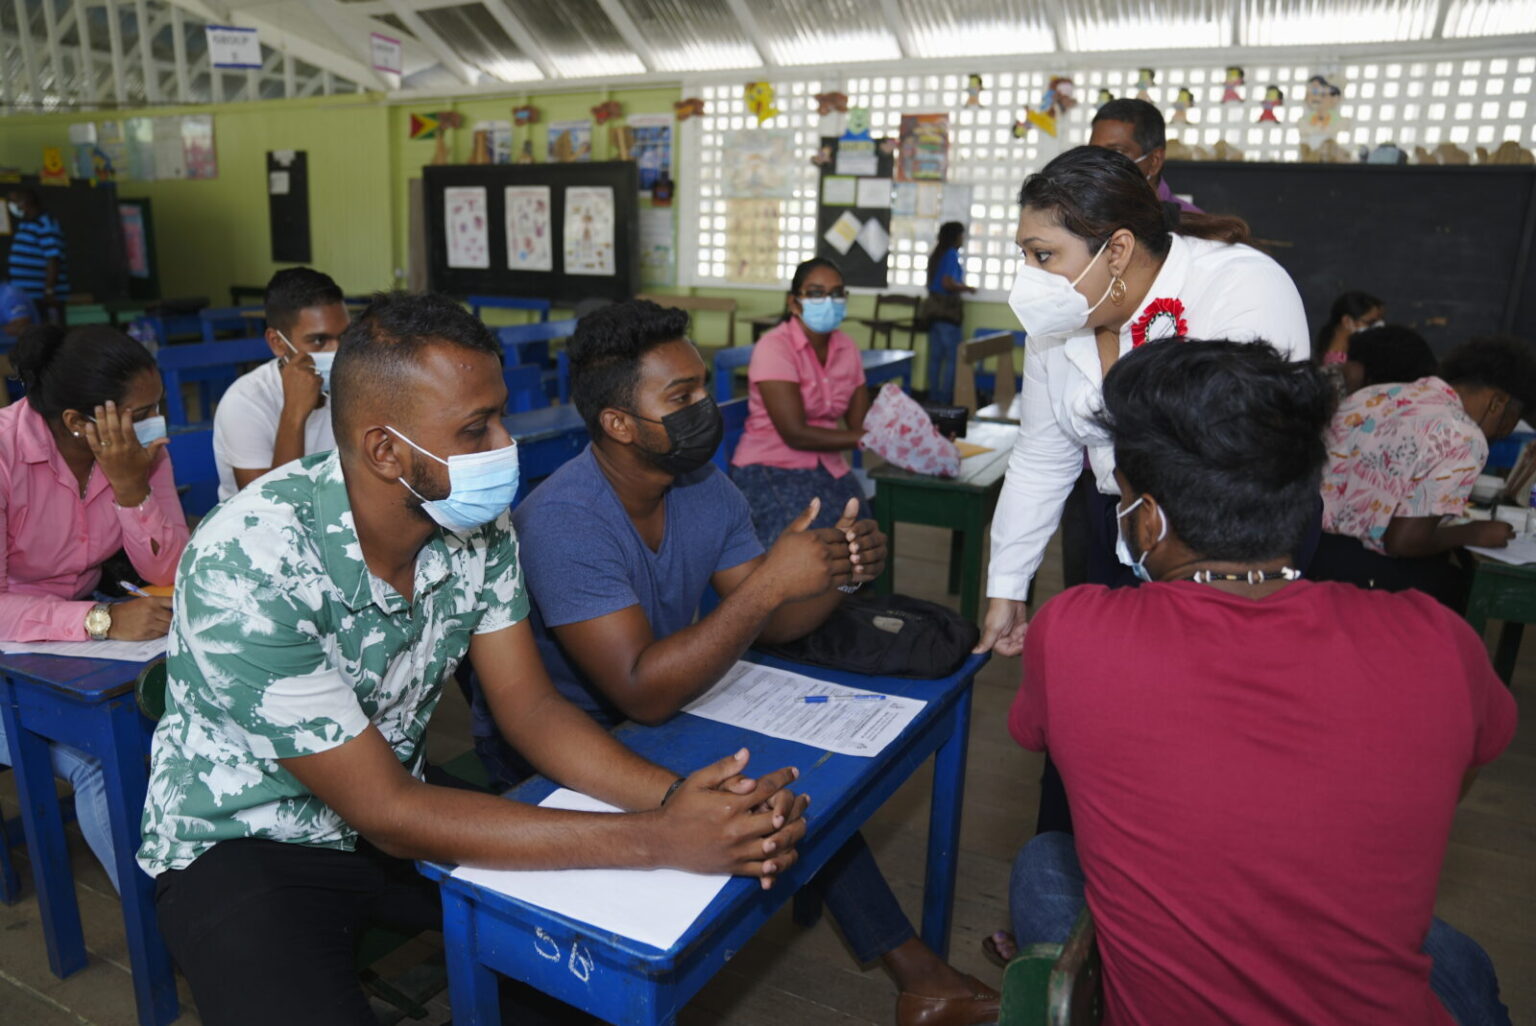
[140, 143]
[113, 145]
[589, 231]
[760, 164]
[658, 252]
[170, 150]
[199, 157]
[752, 240]
[135, 243]
[386, 53]
[652, 148]
[529, 229]
[468, 234]
[570, 142]
[922, 154]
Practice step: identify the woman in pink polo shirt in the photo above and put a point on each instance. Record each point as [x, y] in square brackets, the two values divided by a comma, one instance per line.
[804, 378]
[83, 473]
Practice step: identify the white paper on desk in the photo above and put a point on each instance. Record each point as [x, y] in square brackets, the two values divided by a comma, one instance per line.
[773, 702]
[653, 906]
[1521, 549]
[127, 651]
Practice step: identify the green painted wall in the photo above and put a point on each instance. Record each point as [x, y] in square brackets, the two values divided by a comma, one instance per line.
[212, 234]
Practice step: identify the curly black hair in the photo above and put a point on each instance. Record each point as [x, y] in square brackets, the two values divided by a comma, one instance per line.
[1502, 362]
[606, 350]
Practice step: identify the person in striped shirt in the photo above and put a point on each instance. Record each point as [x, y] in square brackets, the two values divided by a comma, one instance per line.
[38, 263]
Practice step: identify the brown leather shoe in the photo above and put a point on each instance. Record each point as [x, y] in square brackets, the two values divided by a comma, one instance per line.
[980, 1007]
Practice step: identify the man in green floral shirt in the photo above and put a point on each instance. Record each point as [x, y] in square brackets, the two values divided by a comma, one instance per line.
[318, 614]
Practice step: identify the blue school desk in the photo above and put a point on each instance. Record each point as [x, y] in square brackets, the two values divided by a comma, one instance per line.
[87, 703]
[624, 981]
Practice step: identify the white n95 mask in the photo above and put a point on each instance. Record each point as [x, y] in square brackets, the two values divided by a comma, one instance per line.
[1048, 304]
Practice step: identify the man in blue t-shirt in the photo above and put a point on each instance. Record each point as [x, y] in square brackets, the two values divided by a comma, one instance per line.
[37, 262]
[620, 545]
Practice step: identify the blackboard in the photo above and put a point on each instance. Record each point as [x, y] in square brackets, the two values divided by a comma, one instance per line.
[1447, 248]
[858, 267]
[87, 213]
[555, 285]
[288, 205]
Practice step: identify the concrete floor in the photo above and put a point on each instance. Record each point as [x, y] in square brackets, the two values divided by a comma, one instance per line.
[787, 974]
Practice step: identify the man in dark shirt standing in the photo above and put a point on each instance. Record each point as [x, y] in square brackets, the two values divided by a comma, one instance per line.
[38, 264]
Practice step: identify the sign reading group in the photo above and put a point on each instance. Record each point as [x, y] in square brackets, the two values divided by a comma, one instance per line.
[230, 47]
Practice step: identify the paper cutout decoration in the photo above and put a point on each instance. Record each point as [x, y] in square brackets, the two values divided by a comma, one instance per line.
[1105, 96]
[693, 107]
[1273, 98]
[54, 172]
[858, 125]
[1056, 102]
[1321, 119]
[528, 115]
[1181, 108]
[973, 87]
[604, 112]
[901, 431]
[831, 103]
[1146, 78]
[1229, 93]
[760, 100]
[823, 157]
[424, 126]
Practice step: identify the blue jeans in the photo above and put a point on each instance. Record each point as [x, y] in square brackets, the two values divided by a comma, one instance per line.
[84, 774]
[861, 902]
[1045, 895]
[943, 343]
[777, 495]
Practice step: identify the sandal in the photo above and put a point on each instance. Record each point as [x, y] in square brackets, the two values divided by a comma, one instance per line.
[995, 946]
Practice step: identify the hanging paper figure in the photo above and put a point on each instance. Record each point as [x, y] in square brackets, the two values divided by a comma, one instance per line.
[1273, 98]
[1181, 107]
[1105, 96]
[760, 100]
[693, 107]
[1322, 120]
[1055, 103]
[528, 115]
[1146, 78]
[858, 125]
[1229, 94]
[973, 90]
[823, 157]
[831, 103]
[604, 112]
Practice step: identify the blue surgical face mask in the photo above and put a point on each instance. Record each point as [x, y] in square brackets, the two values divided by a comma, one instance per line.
[481, 486]
[323, 359]
[147, 430]
[1123, 550]
[823, 314]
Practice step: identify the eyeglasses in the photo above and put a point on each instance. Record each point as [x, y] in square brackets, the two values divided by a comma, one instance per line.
[823, 294]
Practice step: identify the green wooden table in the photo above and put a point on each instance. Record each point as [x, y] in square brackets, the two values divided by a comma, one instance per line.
[963, 503]
[1502, 591]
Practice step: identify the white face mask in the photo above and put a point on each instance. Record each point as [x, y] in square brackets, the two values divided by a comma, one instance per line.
[1048, 304]
[1123, 549]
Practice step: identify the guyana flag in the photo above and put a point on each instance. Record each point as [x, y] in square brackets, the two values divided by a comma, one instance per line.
[425, 126]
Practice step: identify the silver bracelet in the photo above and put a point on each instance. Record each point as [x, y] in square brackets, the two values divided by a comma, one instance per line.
[849, 589]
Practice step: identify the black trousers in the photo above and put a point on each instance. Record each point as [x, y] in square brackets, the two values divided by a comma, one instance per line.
[267, 932]
[1340, 558]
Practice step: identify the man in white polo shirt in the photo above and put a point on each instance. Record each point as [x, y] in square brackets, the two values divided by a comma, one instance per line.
[277, 412]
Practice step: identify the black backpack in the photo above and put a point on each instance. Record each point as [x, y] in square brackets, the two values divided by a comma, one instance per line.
[886, 636]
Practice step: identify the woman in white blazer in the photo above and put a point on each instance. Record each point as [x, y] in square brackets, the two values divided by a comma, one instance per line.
[1106, 268]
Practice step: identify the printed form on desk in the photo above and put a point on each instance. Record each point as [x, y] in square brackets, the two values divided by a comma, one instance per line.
[772, 702]
[653, 906]
[127, 651]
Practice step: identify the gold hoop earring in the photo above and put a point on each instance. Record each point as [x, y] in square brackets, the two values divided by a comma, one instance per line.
[1117, 289]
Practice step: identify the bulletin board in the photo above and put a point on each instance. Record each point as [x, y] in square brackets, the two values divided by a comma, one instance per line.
[288, 206]
[1448, 249]
[87, 213]
[860, 266]
[483, 230]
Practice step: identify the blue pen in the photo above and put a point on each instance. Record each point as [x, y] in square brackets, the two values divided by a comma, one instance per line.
[133, 590]
[821, 699]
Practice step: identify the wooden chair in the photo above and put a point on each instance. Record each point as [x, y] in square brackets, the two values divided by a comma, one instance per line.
[695, 304]
[974, 352]
[883, 324]
[1056, 984]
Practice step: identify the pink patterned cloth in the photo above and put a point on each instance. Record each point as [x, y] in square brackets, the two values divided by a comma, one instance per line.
[899, 430]
[1337, 356]
[1399, 450]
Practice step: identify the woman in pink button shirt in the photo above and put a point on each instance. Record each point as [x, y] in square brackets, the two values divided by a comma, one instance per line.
[804, 378]
[83, 473]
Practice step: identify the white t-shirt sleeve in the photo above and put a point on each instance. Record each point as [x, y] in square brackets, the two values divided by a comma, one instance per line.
[244, 430]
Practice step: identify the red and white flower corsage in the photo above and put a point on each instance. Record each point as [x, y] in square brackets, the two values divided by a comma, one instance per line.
[1163, 318]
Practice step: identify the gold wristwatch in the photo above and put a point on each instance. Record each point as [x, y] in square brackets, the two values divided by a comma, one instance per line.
[98, 621]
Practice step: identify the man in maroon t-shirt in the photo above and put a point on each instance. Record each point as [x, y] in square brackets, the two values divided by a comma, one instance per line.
[1262, 770]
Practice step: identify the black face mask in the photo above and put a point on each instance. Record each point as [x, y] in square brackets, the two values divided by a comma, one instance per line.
[694, 433]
